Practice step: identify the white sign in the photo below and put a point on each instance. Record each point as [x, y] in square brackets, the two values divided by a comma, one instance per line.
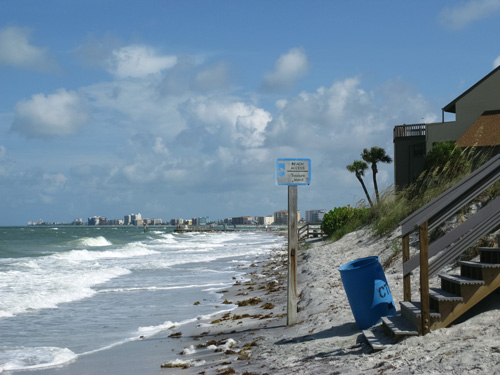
[293, 171]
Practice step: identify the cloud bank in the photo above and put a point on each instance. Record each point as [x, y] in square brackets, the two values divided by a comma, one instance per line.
[290, 67]
[58, 114]
[16, 51]
[165, 133]
[465, 13]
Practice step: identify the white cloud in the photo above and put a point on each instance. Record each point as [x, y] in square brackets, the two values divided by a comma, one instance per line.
[58, 114]
[464, 13]
[16, 50]
[230, 121]
[138, 61]
[287, 70]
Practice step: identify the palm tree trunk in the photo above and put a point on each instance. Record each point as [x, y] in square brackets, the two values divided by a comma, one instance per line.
[366, 191]
[375, 186]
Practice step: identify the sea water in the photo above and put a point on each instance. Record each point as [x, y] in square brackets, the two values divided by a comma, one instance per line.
[70, 291]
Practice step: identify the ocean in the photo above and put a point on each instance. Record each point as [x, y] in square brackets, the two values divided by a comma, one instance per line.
[71, 291]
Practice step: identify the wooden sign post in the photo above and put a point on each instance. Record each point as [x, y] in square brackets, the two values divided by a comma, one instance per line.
[292, 172]
[293, 243]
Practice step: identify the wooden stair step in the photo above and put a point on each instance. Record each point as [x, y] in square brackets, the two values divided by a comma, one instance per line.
[468, 263]
[461, 280]
[399, 327]
[491, 249]
[442, 295]
[489, 254]
[415, 308]
[412, 312]
[377, 339]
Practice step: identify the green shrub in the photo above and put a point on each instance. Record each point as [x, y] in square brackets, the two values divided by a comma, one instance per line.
[342, 220]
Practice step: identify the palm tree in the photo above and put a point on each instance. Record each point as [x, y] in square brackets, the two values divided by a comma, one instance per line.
[373, 156]
[359, 167]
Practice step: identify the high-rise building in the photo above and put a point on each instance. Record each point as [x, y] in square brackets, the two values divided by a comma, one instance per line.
[315, 216]
[281, 217]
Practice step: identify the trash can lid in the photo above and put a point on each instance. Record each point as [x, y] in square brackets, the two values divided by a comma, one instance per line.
[359, 263]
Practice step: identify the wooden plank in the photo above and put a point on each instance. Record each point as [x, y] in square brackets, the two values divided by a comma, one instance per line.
[293, 243]
[455, 197]
[377, 339]
[424, 278]
[407, 277]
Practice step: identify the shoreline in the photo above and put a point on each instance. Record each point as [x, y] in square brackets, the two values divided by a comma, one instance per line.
[252, 339]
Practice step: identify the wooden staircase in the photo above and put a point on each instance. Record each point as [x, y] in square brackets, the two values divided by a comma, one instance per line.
[440, 307]
[458, 293]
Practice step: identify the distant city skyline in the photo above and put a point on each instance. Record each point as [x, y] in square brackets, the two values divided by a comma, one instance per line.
[183, 107]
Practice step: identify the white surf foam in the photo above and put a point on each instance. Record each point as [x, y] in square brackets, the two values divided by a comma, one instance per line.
[26, 358]
[93, 242]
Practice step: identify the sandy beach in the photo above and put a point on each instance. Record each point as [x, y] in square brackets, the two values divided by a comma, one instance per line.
[253, 337]
[327, 340]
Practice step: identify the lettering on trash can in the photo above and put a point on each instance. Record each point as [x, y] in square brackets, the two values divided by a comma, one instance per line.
[384, 291]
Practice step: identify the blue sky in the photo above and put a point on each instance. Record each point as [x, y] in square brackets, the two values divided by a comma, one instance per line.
[179, 109]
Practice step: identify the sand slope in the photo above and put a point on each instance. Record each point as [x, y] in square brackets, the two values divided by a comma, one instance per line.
[327, 340]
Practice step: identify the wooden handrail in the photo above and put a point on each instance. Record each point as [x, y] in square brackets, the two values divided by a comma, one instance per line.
[450, 246]
[309, 230]
[442, 207]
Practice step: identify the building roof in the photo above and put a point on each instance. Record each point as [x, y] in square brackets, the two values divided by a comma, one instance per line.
[451, 107]
[485, 131]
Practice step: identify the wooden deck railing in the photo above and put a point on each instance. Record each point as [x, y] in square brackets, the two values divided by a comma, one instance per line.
[409, 130]
[310, 230]
[446, 249]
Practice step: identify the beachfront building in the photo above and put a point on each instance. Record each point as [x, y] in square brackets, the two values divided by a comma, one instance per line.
[477, 124]
[315, 216]
[97, 220]
[281, 217]
[265, 220]
[242, 220]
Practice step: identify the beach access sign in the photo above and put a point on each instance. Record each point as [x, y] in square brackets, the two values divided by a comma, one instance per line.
[293, 171]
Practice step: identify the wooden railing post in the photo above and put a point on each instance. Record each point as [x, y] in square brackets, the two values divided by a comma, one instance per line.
[407, 278]
[425, 324]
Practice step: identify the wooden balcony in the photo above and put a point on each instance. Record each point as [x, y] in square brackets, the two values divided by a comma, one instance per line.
[409, 130]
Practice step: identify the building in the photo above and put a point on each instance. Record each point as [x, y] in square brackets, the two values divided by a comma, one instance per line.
[315, 216]
[115, 222]
[242, 220]
[265, 220]
[477, 123]
[135, 218]
[93, 220]
[281, 217]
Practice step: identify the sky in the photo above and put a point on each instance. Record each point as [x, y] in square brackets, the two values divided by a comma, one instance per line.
[179, 109]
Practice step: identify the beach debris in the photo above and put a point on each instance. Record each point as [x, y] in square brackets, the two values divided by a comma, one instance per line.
[176, 335]
[244, 355]
[251, 301]
[226, 302]
[226, 371]
[182, 364]
[196, 303]
[267, 306]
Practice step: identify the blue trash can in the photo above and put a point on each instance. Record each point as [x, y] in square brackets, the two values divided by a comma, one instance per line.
[367, 290]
